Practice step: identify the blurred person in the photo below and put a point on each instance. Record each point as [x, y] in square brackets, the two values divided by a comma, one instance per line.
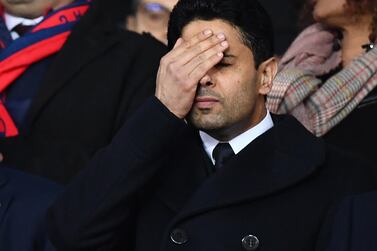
[24, 200]
[286, 15]
[151, 16]
[327, 78]
[233, 177]
[70, 77]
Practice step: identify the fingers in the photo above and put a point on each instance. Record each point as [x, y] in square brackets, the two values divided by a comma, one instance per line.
[201, 58]
[201, 36]
[198, 74]
[201, 47]
[190, 60]
[178, 43]
[193, 53]
[184, 67]
[186, 50]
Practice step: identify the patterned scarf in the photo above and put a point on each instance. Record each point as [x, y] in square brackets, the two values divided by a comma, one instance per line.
[44, 40]
[318, 105]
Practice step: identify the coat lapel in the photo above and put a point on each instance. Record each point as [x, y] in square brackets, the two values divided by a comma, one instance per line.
[188, 169]
[79, 50]
[279, 158]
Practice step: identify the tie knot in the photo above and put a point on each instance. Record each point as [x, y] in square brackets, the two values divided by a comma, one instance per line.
[21, 29]
[222, 153]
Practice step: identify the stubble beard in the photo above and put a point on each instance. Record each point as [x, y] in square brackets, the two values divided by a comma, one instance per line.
[207, 119]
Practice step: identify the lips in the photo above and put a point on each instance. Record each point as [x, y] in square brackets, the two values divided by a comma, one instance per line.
[205, 102]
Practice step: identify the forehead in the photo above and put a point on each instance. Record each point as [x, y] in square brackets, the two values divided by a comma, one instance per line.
[232, 34]
[169, 4]
[216, 25]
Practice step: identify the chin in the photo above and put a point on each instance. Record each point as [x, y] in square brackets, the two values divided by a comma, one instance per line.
[316, 16]
[206, 122]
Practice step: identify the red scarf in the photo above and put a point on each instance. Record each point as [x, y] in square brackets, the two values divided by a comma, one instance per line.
[44, 40]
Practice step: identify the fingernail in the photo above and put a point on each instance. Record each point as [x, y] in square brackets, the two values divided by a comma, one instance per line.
[224, 44]
[207, 32]
[221, 36]
[220, 54]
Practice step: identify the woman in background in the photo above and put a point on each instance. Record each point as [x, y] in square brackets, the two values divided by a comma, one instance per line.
[327, 78]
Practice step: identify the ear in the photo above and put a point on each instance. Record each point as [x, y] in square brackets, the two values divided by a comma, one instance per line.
[267, 71]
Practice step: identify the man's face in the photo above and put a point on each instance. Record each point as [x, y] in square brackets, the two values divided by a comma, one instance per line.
[232, 101]
[30, 8]
[152, 16]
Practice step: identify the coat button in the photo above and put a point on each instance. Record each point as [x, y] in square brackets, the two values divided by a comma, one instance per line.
[250, 242]
[178, 236]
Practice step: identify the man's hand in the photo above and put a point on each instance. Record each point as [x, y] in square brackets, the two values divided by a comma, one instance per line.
[184, 67]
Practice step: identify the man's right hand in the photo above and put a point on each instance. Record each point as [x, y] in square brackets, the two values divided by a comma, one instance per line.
[184, 67]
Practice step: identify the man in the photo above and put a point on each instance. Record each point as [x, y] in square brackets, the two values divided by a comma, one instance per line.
[170, 185]
[150, 16]
[74, 78]
[24, 200]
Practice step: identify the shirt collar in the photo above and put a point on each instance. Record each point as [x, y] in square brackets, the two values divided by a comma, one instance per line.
[241, 141]
[12, 21]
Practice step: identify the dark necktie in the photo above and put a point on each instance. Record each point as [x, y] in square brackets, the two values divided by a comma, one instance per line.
[22, 29]
[222, 153]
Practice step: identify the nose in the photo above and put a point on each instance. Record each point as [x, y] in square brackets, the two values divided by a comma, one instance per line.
[206, 80]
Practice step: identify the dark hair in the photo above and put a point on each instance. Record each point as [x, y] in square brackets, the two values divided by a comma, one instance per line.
[366, 6]
[133, 6]
[248, 16]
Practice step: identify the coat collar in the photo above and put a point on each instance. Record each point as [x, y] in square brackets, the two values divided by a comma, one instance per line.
[281, 157]
[81, 48]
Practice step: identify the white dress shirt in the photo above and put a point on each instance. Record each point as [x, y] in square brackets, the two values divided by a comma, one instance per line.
[241, 141]
[12, 21]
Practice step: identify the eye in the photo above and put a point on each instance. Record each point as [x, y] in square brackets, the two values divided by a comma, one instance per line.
[222, 64]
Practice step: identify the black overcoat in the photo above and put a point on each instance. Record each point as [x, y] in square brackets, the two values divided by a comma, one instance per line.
[153, 191]
[353, 226]
[95, 82]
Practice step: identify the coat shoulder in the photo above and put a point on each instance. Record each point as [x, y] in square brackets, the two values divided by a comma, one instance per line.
[143, 43]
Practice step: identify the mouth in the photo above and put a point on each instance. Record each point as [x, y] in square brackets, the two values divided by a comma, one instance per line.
[205, 102]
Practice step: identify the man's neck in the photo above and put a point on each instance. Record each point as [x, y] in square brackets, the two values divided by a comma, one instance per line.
[240, 141]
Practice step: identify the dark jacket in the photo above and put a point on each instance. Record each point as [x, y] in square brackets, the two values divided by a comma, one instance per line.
[93, 84]
[153, 191]
[356, 133]
[354, 227]
[24, 200]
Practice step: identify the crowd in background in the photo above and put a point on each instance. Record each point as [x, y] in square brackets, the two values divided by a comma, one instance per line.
[76, 81]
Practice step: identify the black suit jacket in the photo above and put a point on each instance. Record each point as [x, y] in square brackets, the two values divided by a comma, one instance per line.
[94, 83]
[153, 191]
